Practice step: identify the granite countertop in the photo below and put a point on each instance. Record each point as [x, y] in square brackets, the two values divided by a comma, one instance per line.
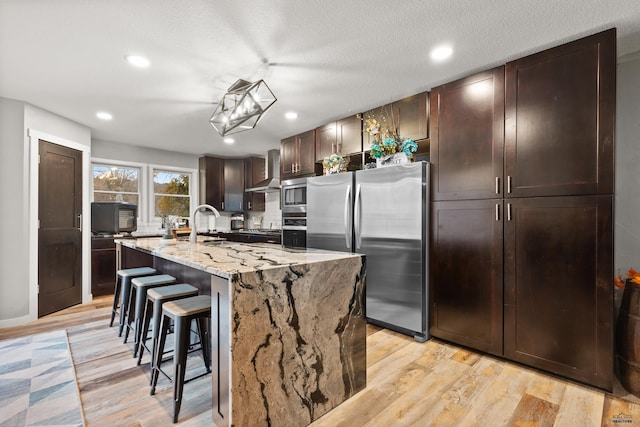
[224, 259]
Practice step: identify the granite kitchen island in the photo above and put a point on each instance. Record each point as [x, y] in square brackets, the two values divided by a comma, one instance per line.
[288, 326]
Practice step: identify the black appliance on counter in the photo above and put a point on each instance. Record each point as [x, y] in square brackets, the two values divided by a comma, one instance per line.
[110, 218]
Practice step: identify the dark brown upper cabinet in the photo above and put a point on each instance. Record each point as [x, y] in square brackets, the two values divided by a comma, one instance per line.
[412, 116]
[222, 183]
[560, 119]
[254, 172]
[467, 137]
[408, 117]
[298, 155]
[383, 115]
[342, 136]
[211, 184]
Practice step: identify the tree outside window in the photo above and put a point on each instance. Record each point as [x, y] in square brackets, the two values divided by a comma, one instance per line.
[116, 184]
[171, 193]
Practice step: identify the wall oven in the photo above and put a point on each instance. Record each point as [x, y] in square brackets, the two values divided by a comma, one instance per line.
[293, 198]
[294, 230]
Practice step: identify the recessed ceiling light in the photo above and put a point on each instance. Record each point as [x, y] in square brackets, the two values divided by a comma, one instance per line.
[441, 53]
[229, 140]
[103, 115]
[291, 115]
[137, 61]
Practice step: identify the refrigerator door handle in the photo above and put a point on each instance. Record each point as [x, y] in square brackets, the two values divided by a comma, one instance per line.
[347, 223]
[356, 217]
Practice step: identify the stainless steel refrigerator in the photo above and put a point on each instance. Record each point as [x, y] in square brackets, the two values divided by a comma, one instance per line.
[382, 213]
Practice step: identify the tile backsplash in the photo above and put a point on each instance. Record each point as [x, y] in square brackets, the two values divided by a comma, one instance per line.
[271, 218]
[272, 215]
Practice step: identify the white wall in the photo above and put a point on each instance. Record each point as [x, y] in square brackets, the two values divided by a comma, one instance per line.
[627, 199]
[17, 284]
[14, 292]
[131, 153]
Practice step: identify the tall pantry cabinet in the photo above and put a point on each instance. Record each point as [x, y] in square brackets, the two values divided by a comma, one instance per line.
[540, 291]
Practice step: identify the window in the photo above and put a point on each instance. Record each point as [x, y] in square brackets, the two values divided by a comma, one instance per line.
[116, 183]
[171, 195]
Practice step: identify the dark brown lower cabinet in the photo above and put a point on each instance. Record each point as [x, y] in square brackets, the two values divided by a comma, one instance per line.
[466, 273]
[103, 266]
[558, 293]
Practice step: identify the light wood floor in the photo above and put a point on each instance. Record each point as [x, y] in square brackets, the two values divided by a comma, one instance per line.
[408, 384]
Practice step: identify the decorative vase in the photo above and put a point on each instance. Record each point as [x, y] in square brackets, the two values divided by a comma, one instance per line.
[391, 160]
[627, 339]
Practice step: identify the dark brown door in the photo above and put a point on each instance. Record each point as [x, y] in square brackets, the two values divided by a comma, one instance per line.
[558, 286]
[466, 273]
[467, 137]
[560, 119]
[60, 232]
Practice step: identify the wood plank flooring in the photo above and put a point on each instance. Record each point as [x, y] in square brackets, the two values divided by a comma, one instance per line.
[408, 384]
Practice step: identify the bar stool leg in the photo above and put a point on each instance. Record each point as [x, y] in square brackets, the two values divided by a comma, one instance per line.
[144, 333]
[124, 304]
[205, 341]
[116, 297]
[182, 334]
[130, 312]
[162, 339]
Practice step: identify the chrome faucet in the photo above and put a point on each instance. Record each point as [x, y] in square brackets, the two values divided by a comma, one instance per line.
[194, 234]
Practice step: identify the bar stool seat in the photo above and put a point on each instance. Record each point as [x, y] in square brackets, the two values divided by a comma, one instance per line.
[137, 301]
[182, 312]
[153, 313]
[123, 283]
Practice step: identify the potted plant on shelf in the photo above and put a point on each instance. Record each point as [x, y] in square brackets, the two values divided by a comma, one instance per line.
[627, 338]
[388, 148]
[335, 163]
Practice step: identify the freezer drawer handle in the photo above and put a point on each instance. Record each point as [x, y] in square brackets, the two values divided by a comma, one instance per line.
[356, 219]
[347, 229]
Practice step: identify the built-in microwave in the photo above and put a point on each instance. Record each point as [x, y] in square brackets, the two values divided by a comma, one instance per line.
[293, 198]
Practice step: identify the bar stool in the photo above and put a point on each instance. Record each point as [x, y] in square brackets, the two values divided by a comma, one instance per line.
[137, 301]
[123, 283]
[183, 312]
[153, 313]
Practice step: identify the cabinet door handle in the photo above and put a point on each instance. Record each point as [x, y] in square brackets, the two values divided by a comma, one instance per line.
[249, 205]
[222, 205]
[497, 185]
[293, 167]
[509, 184]
[80, 223]
[497, 212]
[508, 211]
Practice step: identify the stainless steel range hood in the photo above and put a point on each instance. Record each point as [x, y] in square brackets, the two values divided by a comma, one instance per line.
[272, 183]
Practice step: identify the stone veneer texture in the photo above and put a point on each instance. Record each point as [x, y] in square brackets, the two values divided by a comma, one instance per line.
[298, 341]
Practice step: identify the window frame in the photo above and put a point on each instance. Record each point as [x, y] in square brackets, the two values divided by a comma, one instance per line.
[120, 164]
[193, 188]
[146, 195]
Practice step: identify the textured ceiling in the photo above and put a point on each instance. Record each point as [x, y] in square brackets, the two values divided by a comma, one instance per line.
[323, 59]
